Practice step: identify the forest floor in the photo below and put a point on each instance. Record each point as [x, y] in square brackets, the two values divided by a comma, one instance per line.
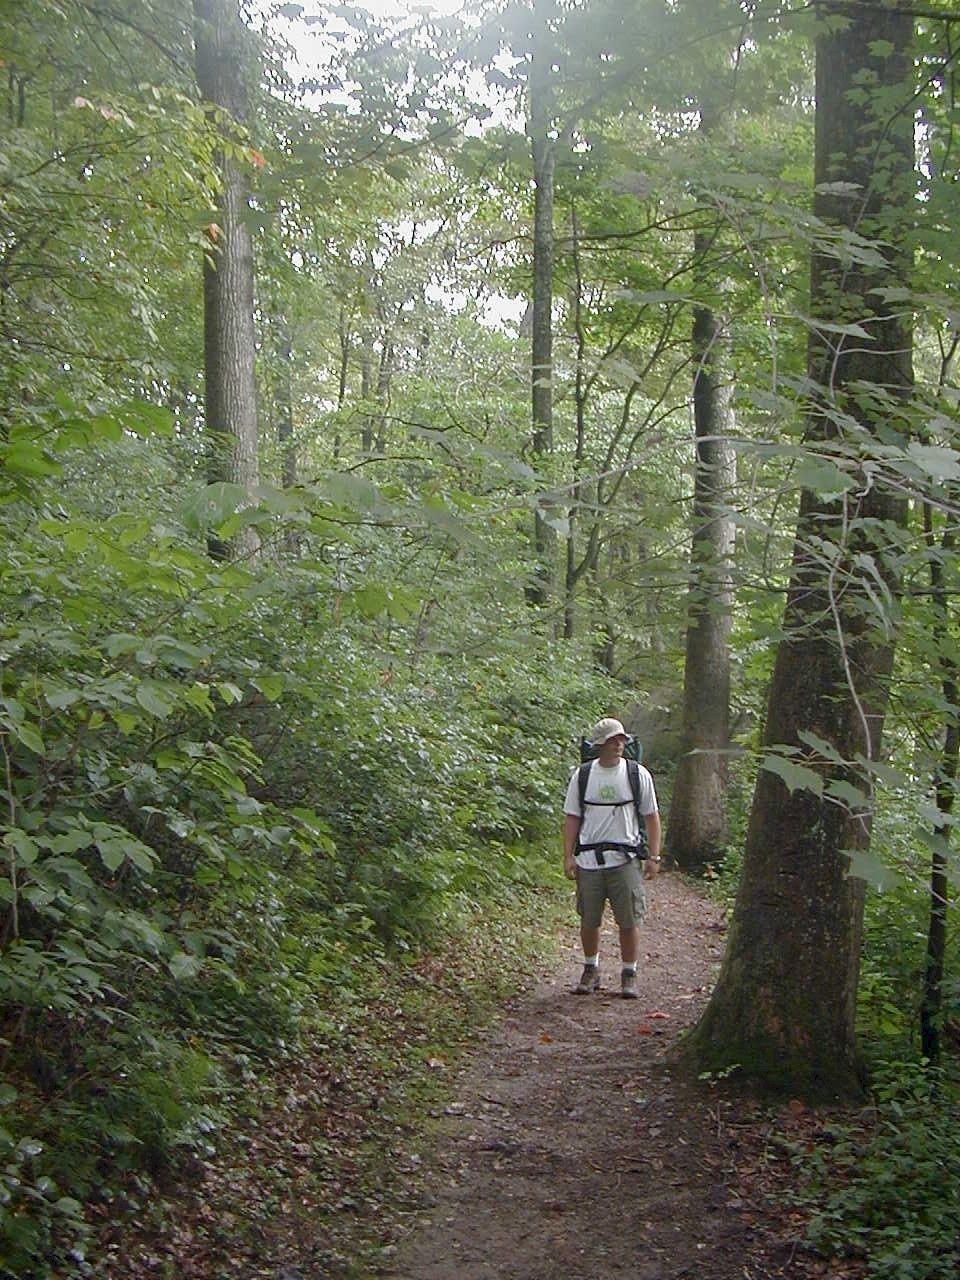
[572, 1149]
[561, 1143]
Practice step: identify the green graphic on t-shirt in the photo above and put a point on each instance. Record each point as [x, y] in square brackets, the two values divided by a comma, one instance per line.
[608, 792]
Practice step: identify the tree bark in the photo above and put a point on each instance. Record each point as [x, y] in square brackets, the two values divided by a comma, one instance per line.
[543, 152]
[697, 827]
[229, 348]
[580, 401]
[783, 1008]
[945, 786]
[284, 400]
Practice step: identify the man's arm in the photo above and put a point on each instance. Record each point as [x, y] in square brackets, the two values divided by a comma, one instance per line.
[652, 823]
[571, 829]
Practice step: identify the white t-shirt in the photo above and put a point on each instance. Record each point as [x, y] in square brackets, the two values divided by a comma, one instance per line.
[608, 820]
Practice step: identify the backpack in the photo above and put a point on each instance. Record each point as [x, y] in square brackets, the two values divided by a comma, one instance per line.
[632, 753]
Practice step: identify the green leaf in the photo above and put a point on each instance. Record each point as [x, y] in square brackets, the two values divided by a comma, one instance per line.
[229, 692]
[212, 506]
[111, 855]
[29, 735]
[271, 686]
[24, 459]
[641, 297]
[184, 966]
[940, 463]
[59, 697]
[107, 426]
[795, 776]
[140, 855]
[145, 419]
[865, 866]
[126, 721]
[845, 791]
[154, 699]
[821, 746]
[886, 773]
[121, 643]
[822, 477]
[353, 492]
[26, 848]
[369, 601]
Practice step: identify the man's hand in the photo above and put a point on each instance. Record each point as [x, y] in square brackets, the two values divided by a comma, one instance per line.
[570, 866]
[651, 868]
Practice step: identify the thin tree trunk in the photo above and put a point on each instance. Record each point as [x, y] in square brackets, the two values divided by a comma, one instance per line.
[366, 392]
[945, 790]
[284, 402]
[344, 336]
[230, 396]
[384, 378]
[783, 1008]
[697, 828]
[543, 152]
[580, 399]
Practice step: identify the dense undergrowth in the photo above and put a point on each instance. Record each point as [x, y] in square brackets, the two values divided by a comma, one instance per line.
[232, 795]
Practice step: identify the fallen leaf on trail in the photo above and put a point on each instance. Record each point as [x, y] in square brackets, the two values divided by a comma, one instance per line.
[657, 1014]
[796, 1107]
[545, 1039]
[435, 1063]
[644, 1029]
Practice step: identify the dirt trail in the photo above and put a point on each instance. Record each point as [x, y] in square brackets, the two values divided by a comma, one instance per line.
[570, 1150]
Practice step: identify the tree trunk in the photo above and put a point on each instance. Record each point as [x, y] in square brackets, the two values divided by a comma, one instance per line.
[284, 401]
[384, 378]
[229, 346]
[783, 1009]
[945, 785]
[344, 369]
[580, 401]
[697, 828]
[366, 394]
[543, 151]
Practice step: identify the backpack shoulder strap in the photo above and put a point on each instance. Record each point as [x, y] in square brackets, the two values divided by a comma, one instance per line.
[633, 773]
[583, 777]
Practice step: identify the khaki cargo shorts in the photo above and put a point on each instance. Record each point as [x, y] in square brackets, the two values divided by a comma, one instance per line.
[622, 887]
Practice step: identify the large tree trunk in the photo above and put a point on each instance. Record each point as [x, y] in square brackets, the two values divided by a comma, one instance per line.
[543, 151]
[697, 829]
[783, 1009]
[230, 395]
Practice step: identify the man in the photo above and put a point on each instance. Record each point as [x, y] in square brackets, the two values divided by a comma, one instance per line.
[600, 851]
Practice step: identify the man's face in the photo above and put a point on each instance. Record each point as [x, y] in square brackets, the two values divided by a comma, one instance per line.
[612, 749]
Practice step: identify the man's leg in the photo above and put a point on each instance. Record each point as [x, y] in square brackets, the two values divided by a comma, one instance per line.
[590, 908]
[630, 945]
[628, 902]
[590, 941]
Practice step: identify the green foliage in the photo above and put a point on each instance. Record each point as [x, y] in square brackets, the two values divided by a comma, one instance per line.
[220, 802]
[889, 1192]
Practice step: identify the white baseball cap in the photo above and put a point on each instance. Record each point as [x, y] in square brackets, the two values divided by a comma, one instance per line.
[604, 730]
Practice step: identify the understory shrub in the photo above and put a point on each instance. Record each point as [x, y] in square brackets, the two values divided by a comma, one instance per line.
[221, 800]
[888, 1192]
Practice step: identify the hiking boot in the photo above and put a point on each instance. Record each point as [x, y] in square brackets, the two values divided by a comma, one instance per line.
[589, 980]
[628, 984]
